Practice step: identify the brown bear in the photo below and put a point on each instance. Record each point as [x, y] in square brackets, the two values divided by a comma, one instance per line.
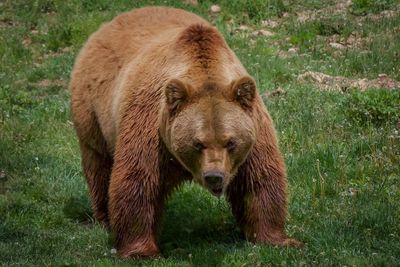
[158, 98]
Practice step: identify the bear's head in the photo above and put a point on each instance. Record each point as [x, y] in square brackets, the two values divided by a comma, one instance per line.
[209, 128]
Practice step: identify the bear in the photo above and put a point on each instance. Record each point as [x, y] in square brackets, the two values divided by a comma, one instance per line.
[158, 98]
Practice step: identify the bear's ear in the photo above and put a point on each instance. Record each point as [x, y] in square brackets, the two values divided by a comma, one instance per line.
[244, 91]
[176, 94]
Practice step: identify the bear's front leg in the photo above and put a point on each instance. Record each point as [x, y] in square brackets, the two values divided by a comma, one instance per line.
[258, 192]
[260, 210]
[134, 209]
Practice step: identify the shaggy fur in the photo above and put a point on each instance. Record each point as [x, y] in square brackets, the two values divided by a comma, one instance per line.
[158, 98]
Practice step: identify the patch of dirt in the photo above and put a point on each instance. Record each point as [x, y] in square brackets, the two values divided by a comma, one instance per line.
[340, 8]
[382, 15]
[354, 40]
[342, 84]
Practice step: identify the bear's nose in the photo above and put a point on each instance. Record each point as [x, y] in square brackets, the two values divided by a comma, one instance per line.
[213, 177]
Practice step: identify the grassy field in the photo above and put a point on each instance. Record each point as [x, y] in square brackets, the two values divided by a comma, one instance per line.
[342, 147]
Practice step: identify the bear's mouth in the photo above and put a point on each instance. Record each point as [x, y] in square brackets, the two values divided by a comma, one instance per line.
[217, 191]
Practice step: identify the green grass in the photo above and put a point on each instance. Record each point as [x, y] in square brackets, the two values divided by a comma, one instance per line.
[363, 7]
[342, 150]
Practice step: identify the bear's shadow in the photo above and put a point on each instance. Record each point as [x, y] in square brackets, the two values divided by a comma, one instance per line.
[196, 223]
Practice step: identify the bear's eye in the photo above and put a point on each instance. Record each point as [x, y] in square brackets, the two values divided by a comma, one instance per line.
[230, 145]
[199, 146]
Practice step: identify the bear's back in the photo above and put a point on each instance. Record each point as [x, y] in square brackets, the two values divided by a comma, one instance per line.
[119, 42]
[132, 31]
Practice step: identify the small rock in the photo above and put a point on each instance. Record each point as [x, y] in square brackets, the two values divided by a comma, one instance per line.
[293, 50]
[2, 174]
[215, 9]
[337, 45]
[113, 251]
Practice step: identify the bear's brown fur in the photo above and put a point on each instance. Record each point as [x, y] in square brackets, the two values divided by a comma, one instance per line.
[158, 97]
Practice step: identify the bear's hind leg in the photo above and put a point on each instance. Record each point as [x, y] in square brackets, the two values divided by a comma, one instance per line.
[96, 160]
[97, 169]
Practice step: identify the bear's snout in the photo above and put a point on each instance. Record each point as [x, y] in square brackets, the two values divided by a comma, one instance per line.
[214, 178]
[214, 181]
